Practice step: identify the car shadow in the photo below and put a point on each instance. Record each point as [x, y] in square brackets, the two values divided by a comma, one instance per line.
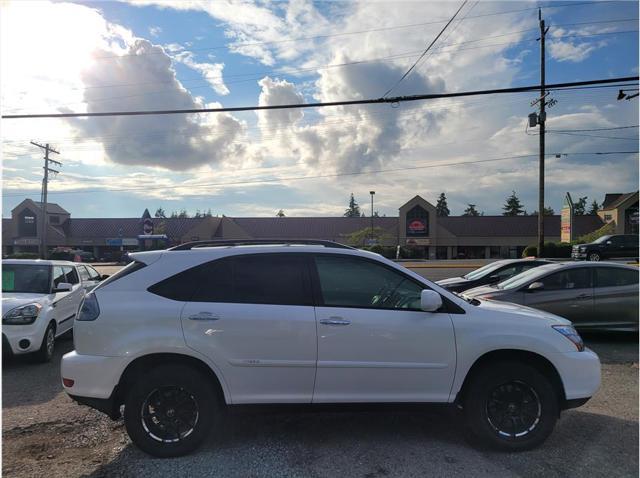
[613, 347]
[25, 382]
[387, 444]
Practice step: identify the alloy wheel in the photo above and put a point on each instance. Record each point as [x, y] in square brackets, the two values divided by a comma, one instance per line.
[513, 409]
[169, 414]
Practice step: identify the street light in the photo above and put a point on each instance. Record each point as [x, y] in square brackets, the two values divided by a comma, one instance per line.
[372, 193]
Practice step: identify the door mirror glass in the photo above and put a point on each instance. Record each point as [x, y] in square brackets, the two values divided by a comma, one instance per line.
[63, 287]
[430, 301]
[534, 286]
[609, 242]
[103, 277]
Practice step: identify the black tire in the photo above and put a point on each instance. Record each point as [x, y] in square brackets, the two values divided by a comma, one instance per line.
[594, 256]
[525, 391]
[45, 353]
[152, 416]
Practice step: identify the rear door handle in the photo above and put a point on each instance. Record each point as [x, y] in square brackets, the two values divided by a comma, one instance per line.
[203, 316]
[335, 321]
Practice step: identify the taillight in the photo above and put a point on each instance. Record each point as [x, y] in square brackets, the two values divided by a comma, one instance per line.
[89, 309]
[68, 382]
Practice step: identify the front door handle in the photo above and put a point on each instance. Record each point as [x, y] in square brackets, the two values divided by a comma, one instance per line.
[335, 321]
[583, 296]
[203, 316]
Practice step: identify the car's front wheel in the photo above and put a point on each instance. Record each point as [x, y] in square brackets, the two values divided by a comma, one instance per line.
[510, 406]
[45, 352]
[170, 410]
[594, 256]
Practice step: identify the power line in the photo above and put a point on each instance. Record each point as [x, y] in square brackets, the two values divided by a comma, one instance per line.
[392, 100]
[590, 135]
[408, 72]
[595, 129]
[321, 176]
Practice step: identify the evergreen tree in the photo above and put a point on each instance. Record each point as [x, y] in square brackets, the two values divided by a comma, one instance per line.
[174, 214]
[183, 214]
[160, 213]
[580, 206]
[208, 213]
[471, 211]
[513, 206]
[595, 207]
[442, 209]
[280, 213]
[353, 210]
[548, 211]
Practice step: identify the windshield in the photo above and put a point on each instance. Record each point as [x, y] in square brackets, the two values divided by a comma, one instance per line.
[484, 270]
[521, 279]
[602, 239]
[30, 278]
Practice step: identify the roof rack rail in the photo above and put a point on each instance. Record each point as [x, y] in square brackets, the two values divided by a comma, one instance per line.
[256, 242]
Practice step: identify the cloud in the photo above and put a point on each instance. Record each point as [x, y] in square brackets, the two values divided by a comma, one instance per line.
[568, 51]
[212, 72]
[155, 31]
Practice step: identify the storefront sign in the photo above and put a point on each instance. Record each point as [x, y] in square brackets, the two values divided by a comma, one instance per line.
[147, 227]
[566, 220]
[26, 241]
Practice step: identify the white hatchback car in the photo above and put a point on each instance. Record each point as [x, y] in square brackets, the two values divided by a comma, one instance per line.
[39, 302]
[176, 334]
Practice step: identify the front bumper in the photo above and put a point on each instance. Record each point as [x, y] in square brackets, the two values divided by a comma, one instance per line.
[94, 376]
[577, 255]
[23, 339]
[580, 374]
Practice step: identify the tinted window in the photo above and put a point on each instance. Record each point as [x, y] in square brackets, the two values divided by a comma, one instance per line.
[617, 240]
[72, 275]
[84, 274]
[253, 279]
[631, 241]
[58, 276]
[615, 277]
[352, 282]
[574, 278]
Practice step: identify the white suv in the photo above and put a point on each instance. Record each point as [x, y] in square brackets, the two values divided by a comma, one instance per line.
[39, 302]
[179, 333]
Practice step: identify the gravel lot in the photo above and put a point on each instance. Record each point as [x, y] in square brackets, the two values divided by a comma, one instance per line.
[46, 433]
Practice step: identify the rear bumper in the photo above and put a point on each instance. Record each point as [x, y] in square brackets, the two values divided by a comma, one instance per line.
[94, 376]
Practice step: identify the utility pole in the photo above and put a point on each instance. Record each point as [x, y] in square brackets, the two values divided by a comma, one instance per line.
[45, 181]
[542, 117]
[372, 193]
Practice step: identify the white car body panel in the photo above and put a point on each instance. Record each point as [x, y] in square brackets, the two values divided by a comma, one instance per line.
[268, 353]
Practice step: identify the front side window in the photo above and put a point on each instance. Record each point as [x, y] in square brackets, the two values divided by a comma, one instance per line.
[353, 282]
[58, 276]
[25, 278]
[574, 278]
[72, 275]
[93, 274]
[615, 277]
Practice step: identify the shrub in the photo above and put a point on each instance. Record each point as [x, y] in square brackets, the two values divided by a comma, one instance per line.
[552, 250]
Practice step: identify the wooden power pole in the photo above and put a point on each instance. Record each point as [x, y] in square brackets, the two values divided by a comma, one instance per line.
[541, 121]
[45, 181]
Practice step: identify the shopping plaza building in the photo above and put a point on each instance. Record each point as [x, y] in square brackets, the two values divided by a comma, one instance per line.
[417, 226]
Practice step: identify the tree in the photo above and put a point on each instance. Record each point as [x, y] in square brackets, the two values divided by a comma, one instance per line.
[595, 207]
[442, 210]
[580, 206]
[359, 238]
[207, 214]
[183, 214]
[548, 211]
[160, 213]
[280, 213]
[513, 206]
[472, 211]
[353, 210]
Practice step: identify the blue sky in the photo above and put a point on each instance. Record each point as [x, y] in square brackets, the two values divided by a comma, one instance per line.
[99, 56]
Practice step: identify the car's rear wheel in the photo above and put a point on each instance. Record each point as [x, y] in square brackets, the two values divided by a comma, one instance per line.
[510, 406]
[170, 410]
[594, 256]
[45, 352]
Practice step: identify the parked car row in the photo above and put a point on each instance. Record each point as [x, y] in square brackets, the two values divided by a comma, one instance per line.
[40, 299]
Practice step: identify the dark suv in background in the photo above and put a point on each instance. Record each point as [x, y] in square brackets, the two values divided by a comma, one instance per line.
[608, 247]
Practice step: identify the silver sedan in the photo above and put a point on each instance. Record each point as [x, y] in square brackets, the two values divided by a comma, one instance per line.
[594, 296]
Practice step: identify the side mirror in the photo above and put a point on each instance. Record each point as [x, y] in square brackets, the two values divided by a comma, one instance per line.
[430, 300]
[494, 278]
[63, 287]
[104, 276]
[608, 243]
[534, 286]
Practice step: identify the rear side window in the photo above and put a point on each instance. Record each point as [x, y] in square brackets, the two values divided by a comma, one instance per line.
[615, 277]
[252, 279]
[84, 274]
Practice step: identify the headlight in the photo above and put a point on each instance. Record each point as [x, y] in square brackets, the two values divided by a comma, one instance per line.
[25, 314]
[570, 333]
[583, 249]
